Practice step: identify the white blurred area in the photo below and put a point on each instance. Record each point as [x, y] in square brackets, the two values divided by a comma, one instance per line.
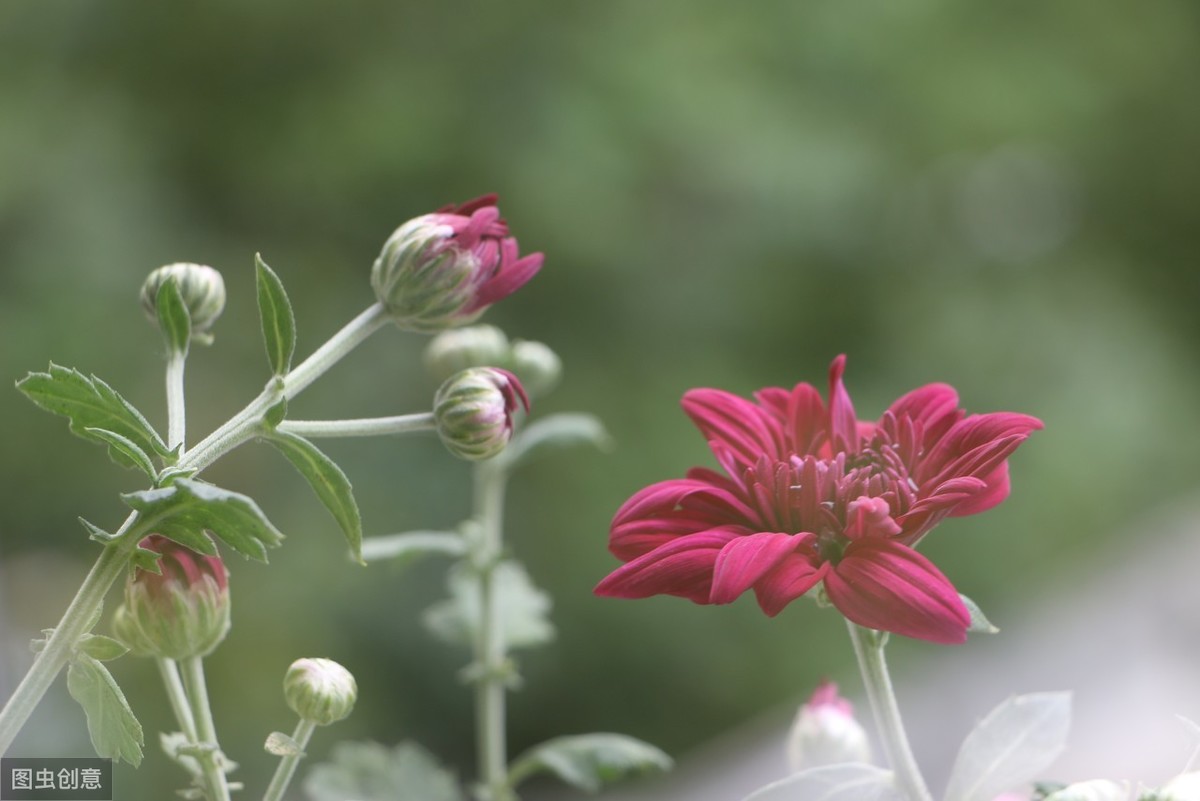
[1125, 640]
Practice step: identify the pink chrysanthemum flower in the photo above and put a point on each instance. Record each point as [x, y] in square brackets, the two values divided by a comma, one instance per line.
[814, 495]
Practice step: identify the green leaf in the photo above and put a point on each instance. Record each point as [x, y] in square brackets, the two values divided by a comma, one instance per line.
[274, 416]
[413, 544]
[523, 608]
[115, 732]
[100, 647]
[189, 510]
[979, 623]
[96, 533]
[127, 447]
[588, 761]
[369, 771]
[146, 559]
[281, 745]
[551, 433]
[89, 403]
[328, 482]
[173, 318]
[278, 320]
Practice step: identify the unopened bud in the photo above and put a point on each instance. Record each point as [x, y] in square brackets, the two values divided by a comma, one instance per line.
[320, 690]
[1093, 790]
[826, 733]
[458, 349]
[474, 411]
[201, 287]
[179, 613]
[538, 367]
[444, 269]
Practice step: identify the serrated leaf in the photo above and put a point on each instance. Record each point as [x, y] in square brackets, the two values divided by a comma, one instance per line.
[89, 403]
[368, 771]
[127, 447]
[115, 732]
[851, 781]
[189, 510]
[412, 544]
[173, 318]
[588, 761]
[522, 607]
[551, 433]
[147, 560]
[282, 745]
[328, 482]
[96, 533]
[1012, 745]
[278, 320]
[979, 622]
[101, 648]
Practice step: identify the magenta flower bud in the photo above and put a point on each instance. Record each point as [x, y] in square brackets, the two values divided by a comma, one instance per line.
[320, 690]
[444, 269]
[826, 733]
[180, 613]
[474, 411]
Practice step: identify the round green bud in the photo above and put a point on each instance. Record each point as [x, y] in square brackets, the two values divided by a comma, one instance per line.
[458, 349]
[474, 411]
[180, 612]
[538, 367]
[201, 287]
[320, 690]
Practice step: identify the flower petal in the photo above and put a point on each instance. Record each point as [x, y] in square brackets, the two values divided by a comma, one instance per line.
[798, 573]
[969, 434]
[747, 559]
[683, 567]
[843, 425]
[869, 517]
[996, 488]
[883, 585]
[934, 406]
[745, 430]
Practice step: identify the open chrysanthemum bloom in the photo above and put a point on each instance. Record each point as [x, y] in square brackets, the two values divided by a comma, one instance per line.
[813, 495]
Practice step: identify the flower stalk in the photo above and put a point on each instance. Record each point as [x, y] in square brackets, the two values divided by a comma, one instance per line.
[362, 427]
[287, 764]
[868, 648]
[210, 757]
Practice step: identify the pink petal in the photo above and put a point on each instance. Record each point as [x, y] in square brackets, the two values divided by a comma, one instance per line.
[869, 517]
[744, 428]
[843, 425]
[747, 559]
[973, 432]
[683, 566]
[798, 573]
[934, 406]
[506, 281]
[883, 585]
[996, 488]
[656, 499]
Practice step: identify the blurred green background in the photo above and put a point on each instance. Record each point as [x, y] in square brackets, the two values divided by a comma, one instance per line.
[1000, 196]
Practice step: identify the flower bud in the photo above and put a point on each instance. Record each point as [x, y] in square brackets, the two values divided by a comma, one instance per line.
[457, 349]
[826, 733]
[320, 690]
[201, 287]
[179, 613]
[444, 269]
[538, 367]
[1093, 790]
[474, 411]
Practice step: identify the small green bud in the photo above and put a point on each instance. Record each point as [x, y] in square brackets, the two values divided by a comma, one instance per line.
[538, 367]
[201, 287]
[179, 613]
[474, 410]
[458, 349]
[320, 690]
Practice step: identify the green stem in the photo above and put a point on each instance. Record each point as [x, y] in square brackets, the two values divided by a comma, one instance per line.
[868, 647]
[177, 695]
[109, 566]
[490, 655]
[363, 427]
[212, 761]
[176, 414]
[287, 765]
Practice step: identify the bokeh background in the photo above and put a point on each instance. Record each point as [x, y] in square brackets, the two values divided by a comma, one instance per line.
[1000, 196]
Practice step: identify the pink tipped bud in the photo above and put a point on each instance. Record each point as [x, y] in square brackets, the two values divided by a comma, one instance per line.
[826, 733]
[444, 269]
[474, 411]
[179, 613]
[320, 690]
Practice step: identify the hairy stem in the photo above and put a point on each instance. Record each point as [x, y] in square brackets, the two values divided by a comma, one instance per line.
[363, 427]
[287, 765]
[176, 408]
[868, 647]
[177, 695]
[490, 652]
[212, 761]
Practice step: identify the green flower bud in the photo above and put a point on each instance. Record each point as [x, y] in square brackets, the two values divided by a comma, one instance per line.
[201, 287]
[538, 367]
[320, 690]
[179, 613]
[457, 349]
[474, 411]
